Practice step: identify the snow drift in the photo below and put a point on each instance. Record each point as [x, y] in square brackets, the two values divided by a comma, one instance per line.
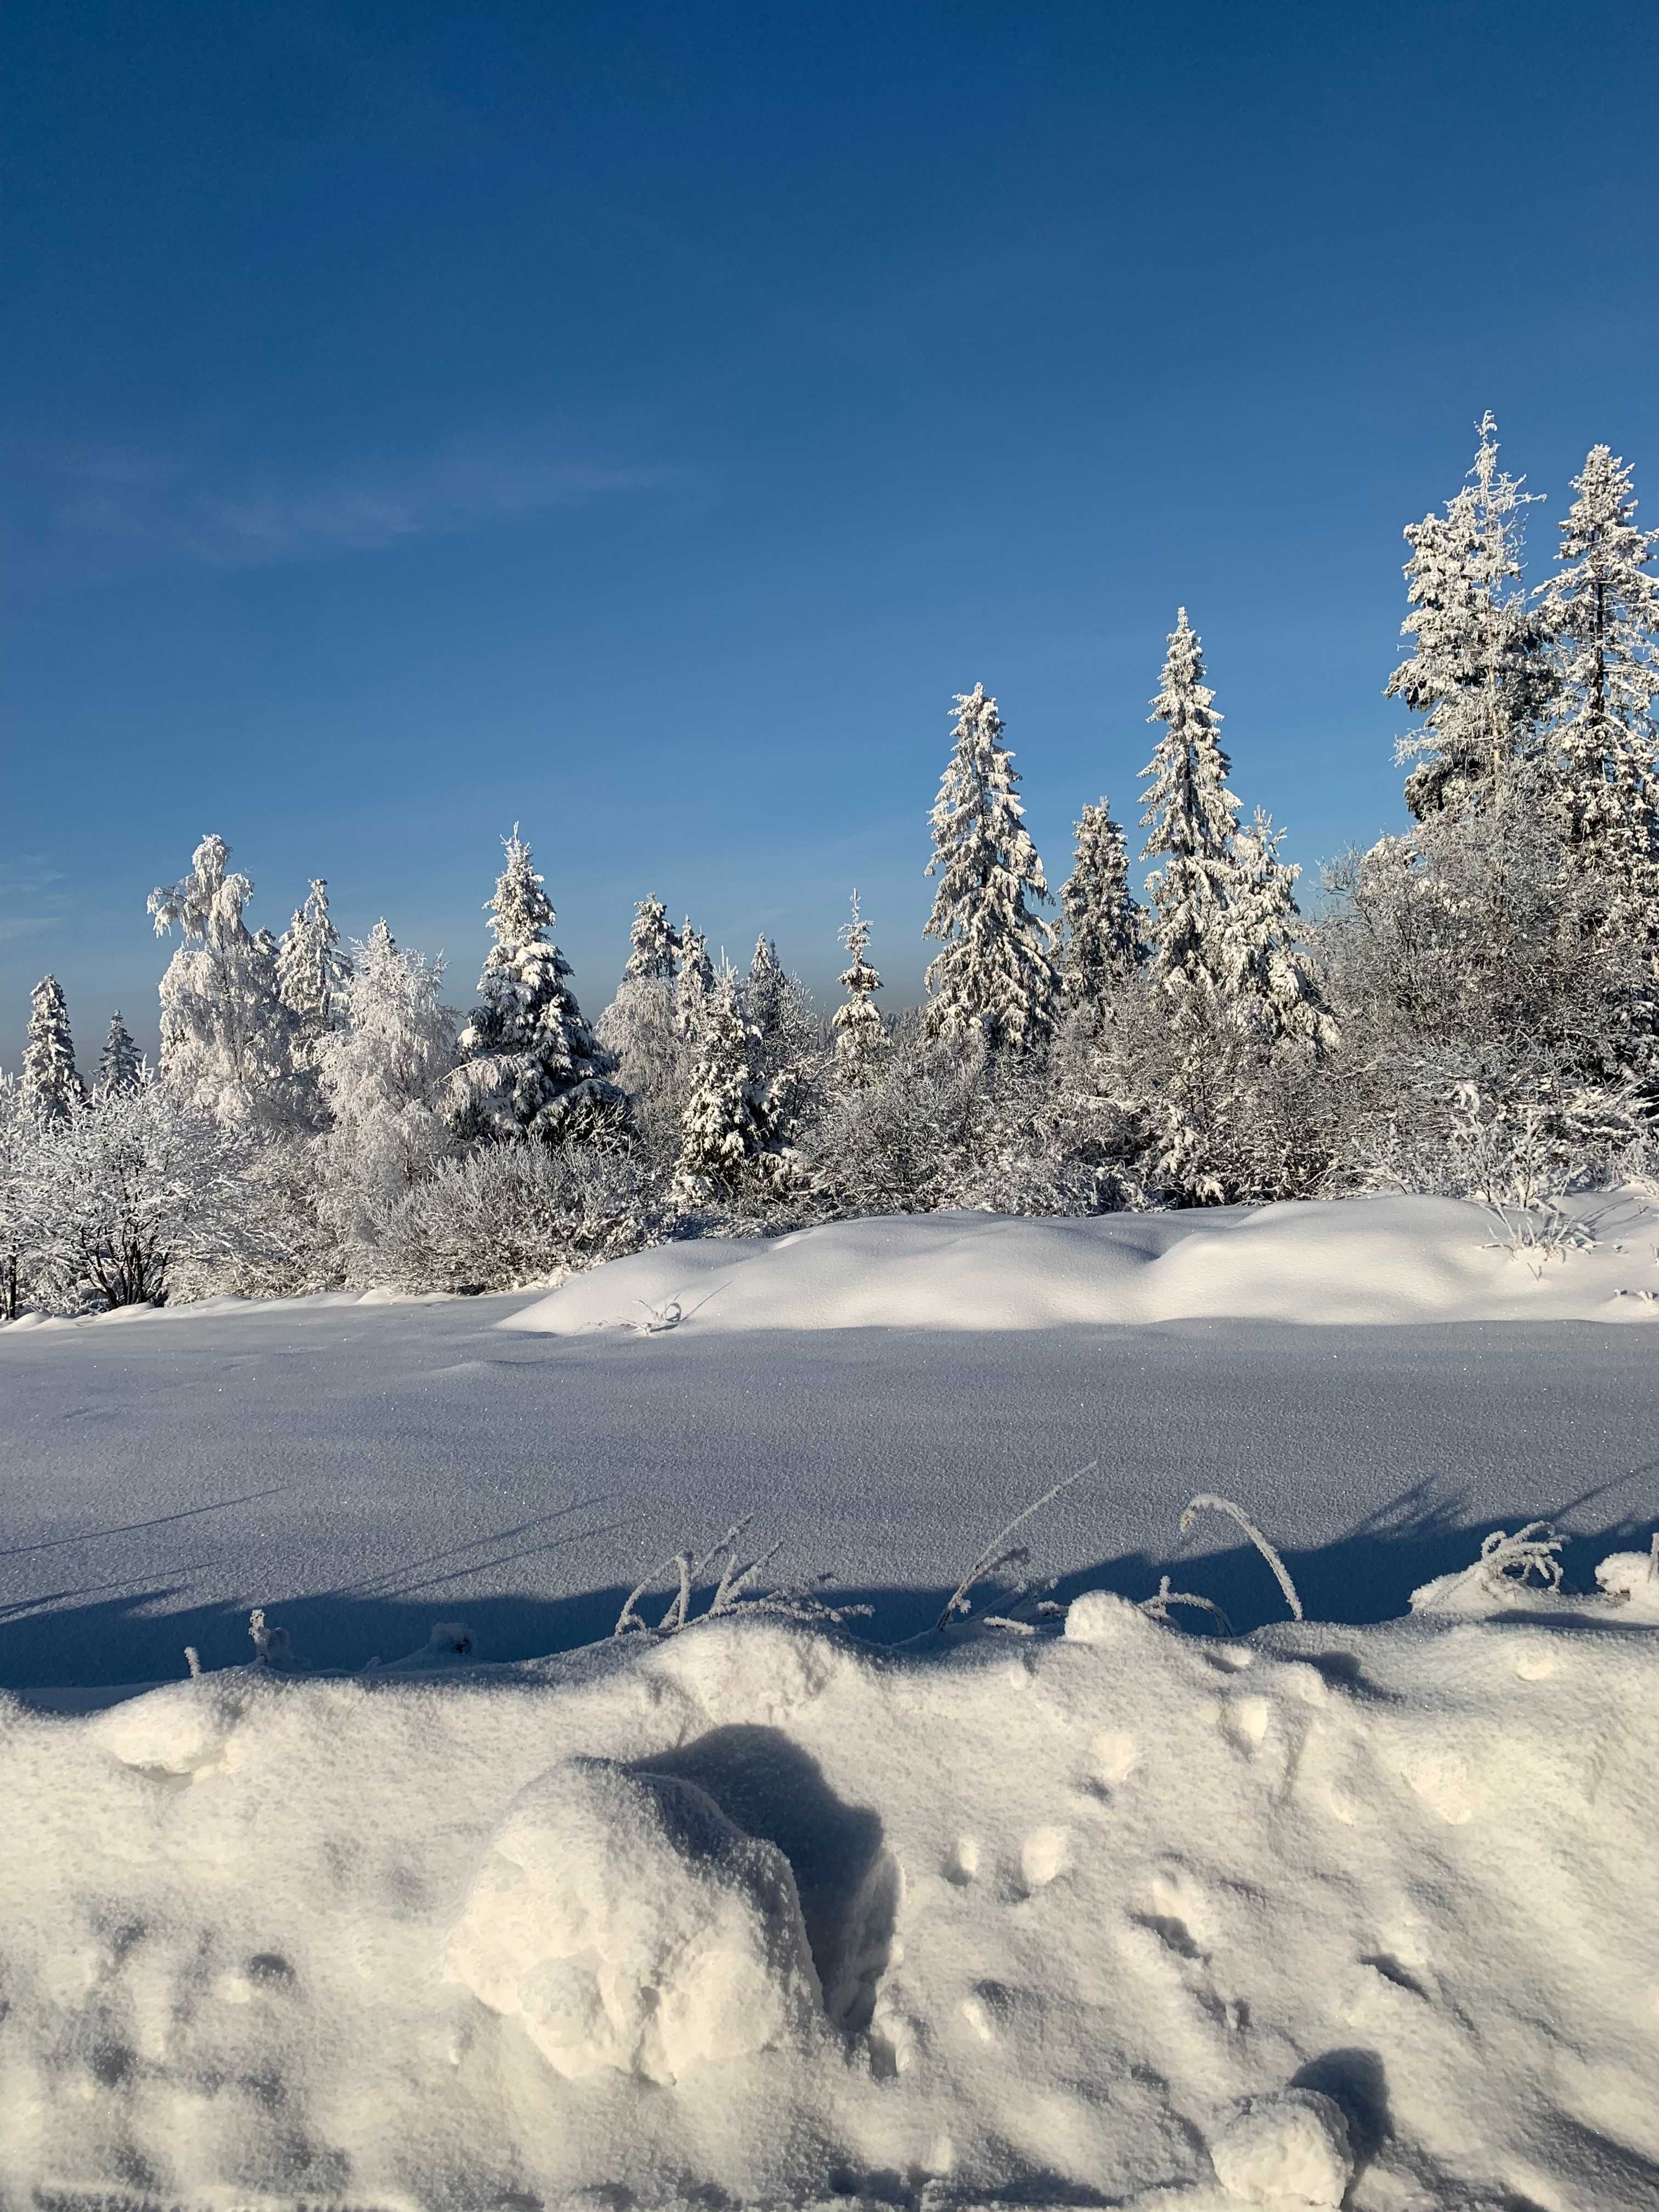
[1366, 1260]
[760, 1914]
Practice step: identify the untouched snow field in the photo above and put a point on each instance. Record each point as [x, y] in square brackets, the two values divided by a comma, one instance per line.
[1375, 1259]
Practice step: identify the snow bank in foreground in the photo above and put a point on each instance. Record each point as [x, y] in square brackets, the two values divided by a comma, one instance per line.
[1365, 1260]
[760, 1914]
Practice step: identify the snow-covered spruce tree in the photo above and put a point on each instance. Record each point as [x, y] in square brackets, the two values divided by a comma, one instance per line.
[653, 944]
[531, 1066]
[780, 1009]
[1100, 919]
[50, 1088]
[994, 981]
[695, 982]
[226, 1038]
[311, 968]
[1478, 674]
[732, 1143]
[134, 1187]
[384, 1073]
[1269, 975]
[118, 1063]
[1602, 611]
[860, 1034]
[1193, 818]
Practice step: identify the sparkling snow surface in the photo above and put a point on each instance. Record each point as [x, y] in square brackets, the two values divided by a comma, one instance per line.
[366, 1469]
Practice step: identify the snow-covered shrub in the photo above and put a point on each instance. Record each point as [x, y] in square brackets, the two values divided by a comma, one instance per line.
[622, 1922]
[132, 1189]
[515, 1214]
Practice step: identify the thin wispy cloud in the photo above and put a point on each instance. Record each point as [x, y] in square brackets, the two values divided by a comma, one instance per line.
[32, 893]
[114, 506]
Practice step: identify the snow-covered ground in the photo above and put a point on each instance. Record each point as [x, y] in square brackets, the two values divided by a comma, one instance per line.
[759, 1915]
[776, 1913]
[368, 1469]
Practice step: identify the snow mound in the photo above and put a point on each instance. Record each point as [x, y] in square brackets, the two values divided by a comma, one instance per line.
[1122, 1916]
[1353, 1260]
[622, 1921]
[1288, 2148]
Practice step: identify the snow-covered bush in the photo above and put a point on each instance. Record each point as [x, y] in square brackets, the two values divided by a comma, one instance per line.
[132, 1188]
[515, 1213]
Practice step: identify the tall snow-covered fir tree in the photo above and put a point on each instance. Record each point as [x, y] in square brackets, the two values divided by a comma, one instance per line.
[1478, 673]
[118, 1063]
[1269, 975]
[695, 982]
[226, 1038]
[50, 1089]
[311, 967]
[1100, 919]
[653, 944]
[1602, 609]
[730, 1133]
[782, 1014]
[1193, 818]
[994, 980]
[860, 1034]
[532, 1065]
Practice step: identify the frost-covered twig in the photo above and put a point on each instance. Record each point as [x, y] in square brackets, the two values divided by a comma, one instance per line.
[1157, 1608]
[272, 1646]
[1208, 1503]
[735, 1591]
[992, 1557]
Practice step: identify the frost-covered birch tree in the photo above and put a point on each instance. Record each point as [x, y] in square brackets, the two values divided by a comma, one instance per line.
[1478, 675]
[20, 1136]
[311, 968]
[226, 1038]
[532, 1065]
[1193, 819]
[1100, 918]
[994, 981]
[50, 1089]
[384, 1071]
[860, 1035]
[118, 1063]
[1602, 610]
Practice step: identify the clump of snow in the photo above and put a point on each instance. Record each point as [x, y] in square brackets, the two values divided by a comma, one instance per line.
[624, 1922]
[1287, 2148]
[1353, 1261]
[1630, 1579]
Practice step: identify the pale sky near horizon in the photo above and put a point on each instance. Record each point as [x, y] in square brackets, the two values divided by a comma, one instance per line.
[637, 421]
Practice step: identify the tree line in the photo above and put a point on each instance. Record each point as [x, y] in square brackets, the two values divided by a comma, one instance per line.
[1474, 1009]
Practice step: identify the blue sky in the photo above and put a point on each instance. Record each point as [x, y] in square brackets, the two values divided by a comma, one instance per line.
[637, 421]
